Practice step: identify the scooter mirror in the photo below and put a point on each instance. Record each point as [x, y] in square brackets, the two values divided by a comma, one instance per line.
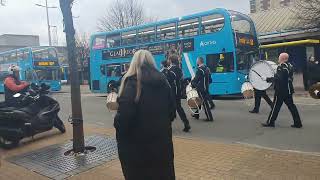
[17, 95]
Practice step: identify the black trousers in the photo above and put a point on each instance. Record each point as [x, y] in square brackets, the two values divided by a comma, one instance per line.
[288, 100]
[205, 102]
[257, 99]
[212, 105]
[181, 112]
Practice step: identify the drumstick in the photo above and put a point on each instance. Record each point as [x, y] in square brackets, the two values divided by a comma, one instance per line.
[257, 74]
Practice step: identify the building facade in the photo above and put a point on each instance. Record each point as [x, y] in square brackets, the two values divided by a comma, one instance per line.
[280, 30]
[264, 5]
[16, 41]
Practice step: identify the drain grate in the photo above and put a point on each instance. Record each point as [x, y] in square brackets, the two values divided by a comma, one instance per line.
[51, 161]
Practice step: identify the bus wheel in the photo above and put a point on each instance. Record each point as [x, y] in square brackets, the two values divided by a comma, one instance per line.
[8, 144]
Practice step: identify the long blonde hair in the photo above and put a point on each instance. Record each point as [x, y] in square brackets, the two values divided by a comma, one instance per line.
[140, 58]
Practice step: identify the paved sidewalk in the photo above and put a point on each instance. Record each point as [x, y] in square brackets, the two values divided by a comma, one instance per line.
[194, 160]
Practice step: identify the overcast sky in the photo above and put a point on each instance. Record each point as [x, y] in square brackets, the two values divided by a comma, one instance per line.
[23, 17]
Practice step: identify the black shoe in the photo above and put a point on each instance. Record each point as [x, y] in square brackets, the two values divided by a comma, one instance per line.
[254, 111]
[213, 107]
[208, 120]
[296, 126]
[267, 125]
[196, 116]
[187, 128]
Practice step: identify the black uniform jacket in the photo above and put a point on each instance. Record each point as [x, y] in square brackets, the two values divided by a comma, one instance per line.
[283, 80]
[201, 80]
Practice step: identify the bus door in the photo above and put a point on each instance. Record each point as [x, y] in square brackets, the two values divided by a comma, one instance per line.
[112, 73]
[221, 66]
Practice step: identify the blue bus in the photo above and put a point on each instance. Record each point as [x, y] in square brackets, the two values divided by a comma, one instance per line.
[37, 65]
[226, 39]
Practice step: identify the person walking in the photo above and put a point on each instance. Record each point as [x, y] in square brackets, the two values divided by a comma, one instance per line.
[283, 92]
[177, 75]
[258, 94]
[143, 122]
[201, 82]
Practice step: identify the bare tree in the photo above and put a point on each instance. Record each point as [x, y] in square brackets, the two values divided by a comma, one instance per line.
[309, 12]
[77, 118]
[82, 53]
[2, 2]
[122, 14]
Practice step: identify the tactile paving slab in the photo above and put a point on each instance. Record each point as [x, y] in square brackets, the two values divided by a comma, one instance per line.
[52, 163]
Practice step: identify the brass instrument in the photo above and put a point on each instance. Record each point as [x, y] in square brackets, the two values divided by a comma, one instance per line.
[314, 91]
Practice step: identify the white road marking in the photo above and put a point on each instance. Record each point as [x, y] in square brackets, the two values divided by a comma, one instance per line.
[279, 150]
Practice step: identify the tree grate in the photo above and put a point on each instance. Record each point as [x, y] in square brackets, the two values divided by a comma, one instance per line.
[52, 163]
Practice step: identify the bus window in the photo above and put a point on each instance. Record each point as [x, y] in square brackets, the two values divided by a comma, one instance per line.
[113, 40]
[114, 70]
[13, 56]
[28, 75]
[212, 23]
[99, 42]
[125, 67]
[241, 24]
[167, 31]
[20, 55]
[146, 35]
[25, 55]
[47, 74]
[6, 58]
[220, 63]
[188, 27]
[1, 58]
[129, 38]
[244, 61]
[40, 54]
[52, 53]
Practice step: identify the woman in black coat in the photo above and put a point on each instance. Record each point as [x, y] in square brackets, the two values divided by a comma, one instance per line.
[143, 122]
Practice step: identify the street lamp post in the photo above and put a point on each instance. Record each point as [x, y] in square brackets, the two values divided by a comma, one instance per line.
[48, 20]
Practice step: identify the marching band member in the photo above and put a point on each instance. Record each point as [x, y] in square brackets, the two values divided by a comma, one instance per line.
[201, 82]
[283, 92]
[258, 94]
[177, 76]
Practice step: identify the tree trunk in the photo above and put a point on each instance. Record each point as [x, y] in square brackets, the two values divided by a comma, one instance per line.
[77, 121]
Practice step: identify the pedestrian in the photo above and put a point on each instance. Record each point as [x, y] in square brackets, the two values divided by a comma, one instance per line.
[177, 76]
[164, 69]
[283, 92]
[143, 122]
[258, 94]
[201, 82]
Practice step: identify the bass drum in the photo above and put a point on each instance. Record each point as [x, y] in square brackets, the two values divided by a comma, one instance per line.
[193, 99]
[259, 72]
[247, 90]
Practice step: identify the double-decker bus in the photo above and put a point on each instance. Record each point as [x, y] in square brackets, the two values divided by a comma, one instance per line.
[226, 39]
[37, 65]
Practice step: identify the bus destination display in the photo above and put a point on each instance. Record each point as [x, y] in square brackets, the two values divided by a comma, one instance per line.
[46, 63]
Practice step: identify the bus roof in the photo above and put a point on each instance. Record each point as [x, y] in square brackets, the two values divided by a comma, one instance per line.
[27, 48]
[218, 10]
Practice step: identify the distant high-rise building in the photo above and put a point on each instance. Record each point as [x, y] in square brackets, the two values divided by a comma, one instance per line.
[263, 5]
